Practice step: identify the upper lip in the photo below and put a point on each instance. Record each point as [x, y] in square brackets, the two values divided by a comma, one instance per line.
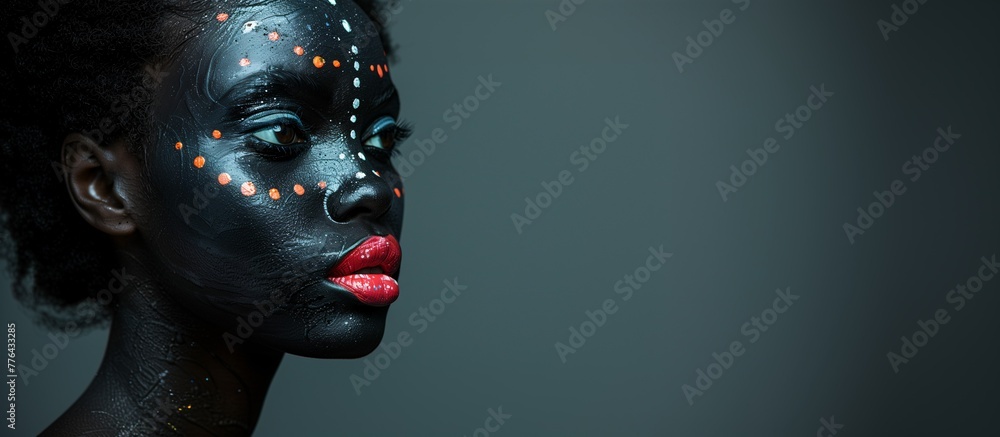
[376, 252]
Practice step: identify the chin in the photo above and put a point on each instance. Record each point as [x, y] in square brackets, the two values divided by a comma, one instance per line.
[349, 334]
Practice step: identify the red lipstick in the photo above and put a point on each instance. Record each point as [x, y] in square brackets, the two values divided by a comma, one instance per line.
[359, 273]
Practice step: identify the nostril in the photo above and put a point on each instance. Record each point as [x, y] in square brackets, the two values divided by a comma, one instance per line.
[368, 197]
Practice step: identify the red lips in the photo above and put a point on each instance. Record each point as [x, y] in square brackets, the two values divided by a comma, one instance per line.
[375, 289]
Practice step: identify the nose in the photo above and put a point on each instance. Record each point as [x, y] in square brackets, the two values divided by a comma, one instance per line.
[369, 197]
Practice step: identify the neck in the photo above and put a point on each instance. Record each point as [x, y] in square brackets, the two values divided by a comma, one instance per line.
[166, 371]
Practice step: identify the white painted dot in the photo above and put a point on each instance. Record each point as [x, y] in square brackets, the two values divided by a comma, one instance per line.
[357, 82]
[333, 2]
[361, 155]
[353, 134]
[249, 26]
[347, 26]
[342, 156]
[357, 66]
[354, 119]
[360, 175]
[354, 49]
[357, 103]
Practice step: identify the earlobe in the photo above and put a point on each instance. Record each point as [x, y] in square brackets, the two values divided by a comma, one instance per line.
[97, 179]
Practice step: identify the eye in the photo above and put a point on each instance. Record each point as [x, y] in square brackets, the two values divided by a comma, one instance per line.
[384, 133]
[282, 130]
[278, 136]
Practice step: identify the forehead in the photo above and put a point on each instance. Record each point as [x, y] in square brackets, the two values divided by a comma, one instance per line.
[330, 39]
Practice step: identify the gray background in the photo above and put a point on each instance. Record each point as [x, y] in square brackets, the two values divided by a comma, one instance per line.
[655, 185]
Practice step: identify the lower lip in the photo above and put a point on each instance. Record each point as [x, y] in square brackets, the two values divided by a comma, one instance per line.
[373, 289]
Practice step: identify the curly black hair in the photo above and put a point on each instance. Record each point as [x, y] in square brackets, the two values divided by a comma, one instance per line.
[70, 62]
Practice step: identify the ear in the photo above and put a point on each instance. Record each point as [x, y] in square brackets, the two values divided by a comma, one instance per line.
[97, 178]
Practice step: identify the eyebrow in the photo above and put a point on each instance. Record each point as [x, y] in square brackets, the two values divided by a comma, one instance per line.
[248, 91]
[388, 95]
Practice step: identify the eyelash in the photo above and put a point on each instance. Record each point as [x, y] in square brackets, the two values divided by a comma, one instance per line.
[400, 130]
[279, 152]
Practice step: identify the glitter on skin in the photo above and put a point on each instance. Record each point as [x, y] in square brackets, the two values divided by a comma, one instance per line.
[248, 189]
[249, 26]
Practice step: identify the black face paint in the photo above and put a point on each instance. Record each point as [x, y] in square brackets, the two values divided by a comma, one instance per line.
[271, 162]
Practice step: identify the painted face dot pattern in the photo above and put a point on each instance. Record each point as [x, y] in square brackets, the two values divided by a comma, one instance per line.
[248, 188]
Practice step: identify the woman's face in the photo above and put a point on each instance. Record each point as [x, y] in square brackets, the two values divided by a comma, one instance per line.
[275, 125]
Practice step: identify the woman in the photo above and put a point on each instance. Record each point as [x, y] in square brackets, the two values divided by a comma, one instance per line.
[222, 194]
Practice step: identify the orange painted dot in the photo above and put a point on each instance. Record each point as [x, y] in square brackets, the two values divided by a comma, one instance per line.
[398, 193]
[222, 16]
[273, 36]
[321, 184]
[245, 62]
[224, 178]
[336, 63]
[299, 189]
[379, 71]
[216, 134]
[199, 161]
[248, 189]
[318, 61]
[299, 50]
[178, 145]
[273, 192]
[371, 67]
